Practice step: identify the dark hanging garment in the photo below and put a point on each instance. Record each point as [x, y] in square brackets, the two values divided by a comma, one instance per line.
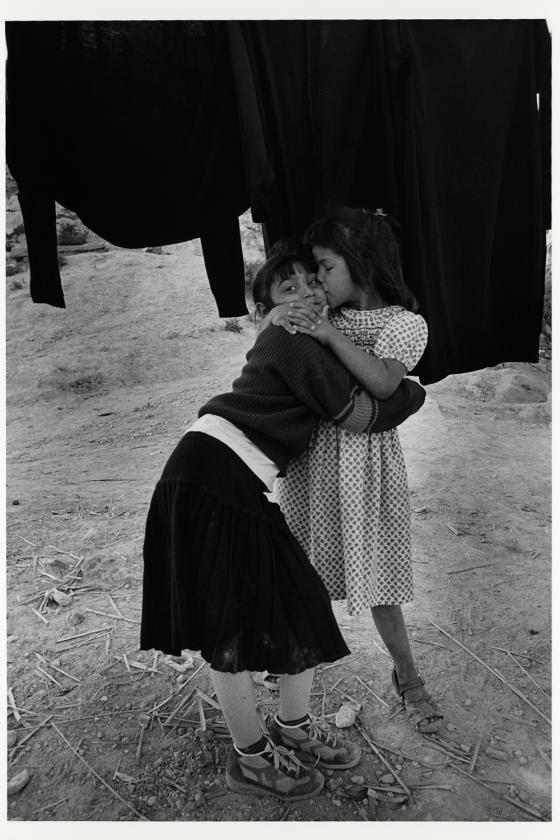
[270, 63]
[133, 126]
[473, 186]
[437, 122]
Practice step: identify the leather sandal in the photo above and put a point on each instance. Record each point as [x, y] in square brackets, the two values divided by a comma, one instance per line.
[423, 714]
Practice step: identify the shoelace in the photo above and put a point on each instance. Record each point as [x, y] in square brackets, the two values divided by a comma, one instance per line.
[321, 730]
[284, 759]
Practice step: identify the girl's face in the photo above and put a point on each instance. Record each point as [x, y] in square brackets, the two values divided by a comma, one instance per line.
[334, 276]
[299, 286]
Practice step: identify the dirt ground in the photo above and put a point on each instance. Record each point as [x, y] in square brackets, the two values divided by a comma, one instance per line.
[97, 396]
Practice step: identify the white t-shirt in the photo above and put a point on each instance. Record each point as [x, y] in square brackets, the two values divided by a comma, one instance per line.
[230, 435]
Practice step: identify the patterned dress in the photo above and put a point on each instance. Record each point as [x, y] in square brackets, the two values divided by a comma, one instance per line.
[346, 497]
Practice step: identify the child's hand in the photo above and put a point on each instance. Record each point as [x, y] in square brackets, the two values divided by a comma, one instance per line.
[294, 317]
[324, 330]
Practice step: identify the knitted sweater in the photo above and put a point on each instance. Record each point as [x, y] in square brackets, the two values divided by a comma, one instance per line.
[289, 382]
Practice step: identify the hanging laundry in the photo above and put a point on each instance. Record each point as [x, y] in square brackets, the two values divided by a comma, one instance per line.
[445, 124]
[437, 122]
[132, 125]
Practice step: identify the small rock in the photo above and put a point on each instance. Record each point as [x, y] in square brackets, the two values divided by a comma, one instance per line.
[151, 801]
[467, 703]
[518, 712]
[76, 618]
[466, 748]
[336, 802]
[16, 502]
[12, 267]
[104, 698]
[18, 782]
[451, 727]
[199, 799]
[522, 795]
[357, 780]
[154, 249]
[345, 717]
[517, 752]
[63, 599]
[387, 779]
[12, 738]
[522, 760]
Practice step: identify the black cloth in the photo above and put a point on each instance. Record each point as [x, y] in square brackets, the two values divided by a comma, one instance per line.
[223, 574]
[133, 126]
[435, 121]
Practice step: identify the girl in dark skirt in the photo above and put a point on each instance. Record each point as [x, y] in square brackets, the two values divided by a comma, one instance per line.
[223, 574]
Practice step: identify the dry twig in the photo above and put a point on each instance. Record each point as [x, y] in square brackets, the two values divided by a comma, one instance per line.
[38, 614]
[97, 776]
[367, 688]
[48, 807]
[120, 617]
[475, 753]
[501, 795]
[69, 553]
[528, 675]
[359, 726]
[13, 706]
[544, 757]
[48, 676]
[81, 635]
[494, 673]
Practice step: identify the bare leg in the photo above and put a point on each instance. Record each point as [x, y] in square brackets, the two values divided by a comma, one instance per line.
[295, 690]
[236, 694]
[391, 627]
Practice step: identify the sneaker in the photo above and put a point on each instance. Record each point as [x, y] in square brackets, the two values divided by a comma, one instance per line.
[274, 772]
[316, 742]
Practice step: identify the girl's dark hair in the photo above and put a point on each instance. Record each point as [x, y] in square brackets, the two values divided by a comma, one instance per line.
[368, 243]
[277, 268]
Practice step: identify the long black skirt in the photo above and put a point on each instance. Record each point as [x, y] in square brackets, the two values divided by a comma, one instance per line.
[223, 574]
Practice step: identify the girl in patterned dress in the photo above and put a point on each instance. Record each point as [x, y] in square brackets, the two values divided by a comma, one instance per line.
[346, 498]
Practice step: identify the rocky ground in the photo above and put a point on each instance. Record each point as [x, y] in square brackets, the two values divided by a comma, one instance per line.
[97, 396]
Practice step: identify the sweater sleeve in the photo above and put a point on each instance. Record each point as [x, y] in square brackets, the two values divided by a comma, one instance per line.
[320, 382]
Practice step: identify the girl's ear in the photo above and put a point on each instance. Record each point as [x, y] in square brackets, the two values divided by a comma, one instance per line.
[260, 309]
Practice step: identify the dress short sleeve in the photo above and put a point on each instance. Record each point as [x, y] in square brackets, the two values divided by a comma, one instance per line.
[403, 338]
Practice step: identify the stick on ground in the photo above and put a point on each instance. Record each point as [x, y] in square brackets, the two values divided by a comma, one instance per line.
[493, 672]
[97, 776]
[475, 753]
[359, 726]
